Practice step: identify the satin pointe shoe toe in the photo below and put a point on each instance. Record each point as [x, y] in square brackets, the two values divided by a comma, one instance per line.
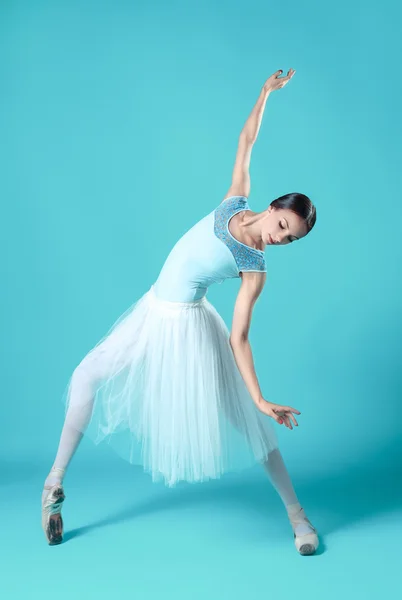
[307, 543]
[52, 522]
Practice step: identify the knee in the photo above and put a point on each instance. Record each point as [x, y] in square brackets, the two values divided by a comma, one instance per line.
[86, 371]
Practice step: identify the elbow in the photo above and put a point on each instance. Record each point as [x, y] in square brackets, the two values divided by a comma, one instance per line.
[247, 138]
[237, 340]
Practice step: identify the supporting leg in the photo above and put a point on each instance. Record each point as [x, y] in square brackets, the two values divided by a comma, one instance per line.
[96, 365]
[77, 418]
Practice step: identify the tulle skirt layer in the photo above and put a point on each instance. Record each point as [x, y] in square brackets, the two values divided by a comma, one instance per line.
[163, 388]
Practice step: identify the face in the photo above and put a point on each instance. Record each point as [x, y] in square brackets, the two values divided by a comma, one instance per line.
[282, 226]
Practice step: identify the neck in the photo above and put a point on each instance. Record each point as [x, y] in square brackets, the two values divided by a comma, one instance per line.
[251, 229]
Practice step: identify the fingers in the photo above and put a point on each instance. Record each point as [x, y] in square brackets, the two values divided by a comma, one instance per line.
[293, 419]
[290, 409]
[286, 418]
[286, 421]
[283, 418]
[283, 80]
[277, 417]
[290, 74]
[285, 413]
[280, 414]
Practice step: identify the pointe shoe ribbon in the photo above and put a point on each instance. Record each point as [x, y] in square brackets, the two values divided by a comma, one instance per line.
[306, 543]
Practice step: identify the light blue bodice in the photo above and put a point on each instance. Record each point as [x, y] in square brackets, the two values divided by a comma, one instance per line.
[206, 254]
[247, 258]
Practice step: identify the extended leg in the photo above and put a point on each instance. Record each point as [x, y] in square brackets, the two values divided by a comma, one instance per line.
[280, 478]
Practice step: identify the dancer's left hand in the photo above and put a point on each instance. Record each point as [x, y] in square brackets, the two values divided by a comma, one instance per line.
[274, 82]
[280, 413]
[285, 412]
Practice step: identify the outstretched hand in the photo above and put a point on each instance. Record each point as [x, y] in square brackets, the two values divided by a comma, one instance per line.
[281, 414]
[275, 82]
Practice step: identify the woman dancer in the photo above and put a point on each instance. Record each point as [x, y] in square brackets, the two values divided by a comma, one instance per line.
[170, 378]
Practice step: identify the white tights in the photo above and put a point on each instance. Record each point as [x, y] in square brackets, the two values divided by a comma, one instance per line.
[79, 411]
[79, 414]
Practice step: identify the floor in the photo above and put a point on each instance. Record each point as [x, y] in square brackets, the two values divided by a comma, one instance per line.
[228, 539]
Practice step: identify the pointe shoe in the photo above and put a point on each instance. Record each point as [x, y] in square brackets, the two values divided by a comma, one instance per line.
[52, 522]
[306, 543]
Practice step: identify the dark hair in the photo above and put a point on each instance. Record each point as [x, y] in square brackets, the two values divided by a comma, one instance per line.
[300, 204]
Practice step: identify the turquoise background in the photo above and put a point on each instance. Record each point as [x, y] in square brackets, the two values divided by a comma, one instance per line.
[119, 124]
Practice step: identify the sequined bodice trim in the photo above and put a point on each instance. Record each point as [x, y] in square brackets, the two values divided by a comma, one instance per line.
[246, 257]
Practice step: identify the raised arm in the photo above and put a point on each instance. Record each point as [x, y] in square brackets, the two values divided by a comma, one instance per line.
[241, 176]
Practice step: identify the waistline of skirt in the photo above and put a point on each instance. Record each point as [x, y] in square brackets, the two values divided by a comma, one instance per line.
[173, 304]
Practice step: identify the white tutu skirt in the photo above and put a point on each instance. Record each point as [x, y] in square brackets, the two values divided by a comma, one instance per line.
[163, 388]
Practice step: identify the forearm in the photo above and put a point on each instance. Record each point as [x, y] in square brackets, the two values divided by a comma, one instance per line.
[253, 123]
[244, 360]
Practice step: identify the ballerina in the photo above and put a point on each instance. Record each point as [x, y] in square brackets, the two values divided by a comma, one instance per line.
[170, 378]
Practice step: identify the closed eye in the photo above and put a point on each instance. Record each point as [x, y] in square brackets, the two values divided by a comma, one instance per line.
[294, 237]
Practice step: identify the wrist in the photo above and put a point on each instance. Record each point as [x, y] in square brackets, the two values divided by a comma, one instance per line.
[260, 400]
